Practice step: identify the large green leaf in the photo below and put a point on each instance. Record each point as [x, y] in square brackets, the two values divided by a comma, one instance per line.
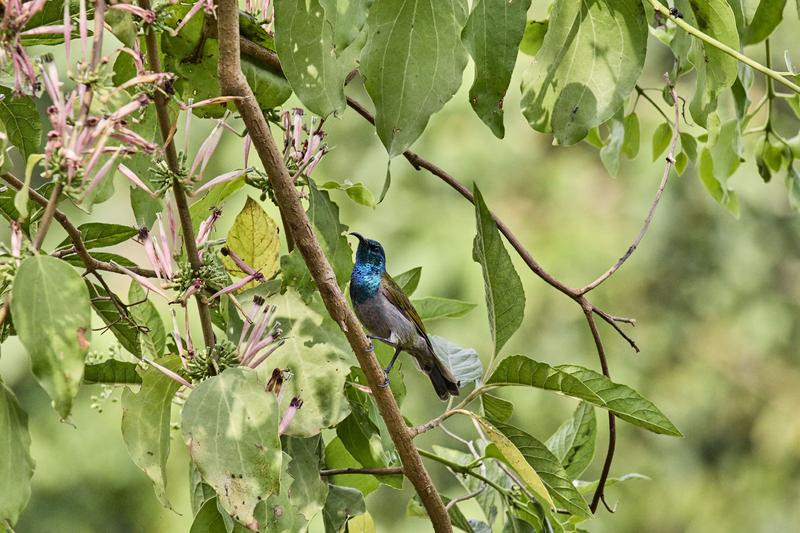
[505, 298]
[506, 451]
[464, 363]
[496, 408]
[766, 18]
[342, 503]
[318, 369]
[52, 316]
[574, 441]
[208, 519]
[21, 119]
[153, 338]
[492, 36]
[548, 466]
[413, 62]
[112, 372]
[254, 238]
[409, 280]
[16, 464]
[588, 64]
[586, 385]
[309, 491]
[434, 308]
[231, 427]
[324, 215]
[146, 423]
[101, 234]
[304, 38]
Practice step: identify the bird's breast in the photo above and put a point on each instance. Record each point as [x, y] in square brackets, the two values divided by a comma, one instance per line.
[384, 320]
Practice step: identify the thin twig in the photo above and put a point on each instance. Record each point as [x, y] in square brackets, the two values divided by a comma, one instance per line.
[377, 471]
[651, 213]
[641, 92]
[47, 217]
[233, 83]
[455, 501]
[612, 423]
[181, 202]
[74, 234]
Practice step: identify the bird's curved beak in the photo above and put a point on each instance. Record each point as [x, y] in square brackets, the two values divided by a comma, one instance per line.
[358, 236]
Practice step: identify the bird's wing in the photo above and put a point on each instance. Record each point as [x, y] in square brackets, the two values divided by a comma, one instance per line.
[398, 298]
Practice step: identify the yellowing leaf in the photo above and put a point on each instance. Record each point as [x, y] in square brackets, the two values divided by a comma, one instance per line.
[254, 238]
[362, 523]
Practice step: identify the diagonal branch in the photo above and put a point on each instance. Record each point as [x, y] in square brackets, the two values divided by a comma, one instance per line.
[651, 213]
[181, 202]
[233, 83]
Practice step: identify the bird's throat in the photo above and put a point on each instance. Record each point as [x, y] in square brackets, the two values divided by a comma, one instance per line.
[365, 281]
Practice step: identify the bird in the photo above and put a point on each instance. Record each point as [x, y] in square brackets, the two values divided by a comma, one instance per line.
[387, 314]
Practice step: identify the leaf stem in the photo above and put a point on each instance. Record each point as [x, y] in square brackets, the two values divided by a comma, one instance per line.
[694, 32]
[382, 471]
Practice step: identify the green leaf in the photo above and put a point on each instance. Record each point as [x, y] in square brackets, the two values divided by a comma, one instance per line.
[304, 39]
[408, 280]
[766, 18]
[342, 503]
[123, 327]
[100, 235]
[112, 372]
[507, 452]
[21, 120]
[208, 519]
[413, 62]
[661, 138]
[308, 491]
[318, 369]
[357, 192]
[464, 363]
[337, 456]
[434, 308]
[609, 153]
[52, 316]
[533, 38]
[492, 36]
[154, 338]
[324, 215]
[146, 423]
[505, 298]
[231, 427]
[574, 441]
[588, 487]
[579, 80]
[254, 238]
[681, 161]
[16, 463]
[793, 187]
[496, 408]
[76, 260]
[586, 385]
[548, 466]
[689, 145]
[630, 145]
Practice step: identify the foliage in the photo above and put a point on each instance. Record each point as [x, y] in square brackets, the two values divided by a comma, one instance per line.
[272, 399]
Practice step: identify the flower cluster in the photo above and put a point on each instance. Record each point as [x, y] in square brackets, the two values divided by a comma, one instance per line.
[302, 143]
[17, 15]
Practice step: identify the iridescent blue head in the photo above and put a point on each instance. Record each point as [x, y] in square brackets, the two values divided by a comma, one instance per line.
[370, 266]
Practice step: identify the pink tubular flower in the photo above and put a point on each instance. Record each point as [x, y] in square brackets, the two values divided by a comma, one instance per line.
[208, 5]
[222, 178]
[258, 340]
[145, 14]
[16, 15]
[294, 405]
[16, 239]
[302, 155]
[167, 372]
[204, 231]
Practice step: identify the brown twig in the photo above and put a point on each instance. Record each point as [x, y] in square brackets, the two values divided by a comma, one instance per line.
[651, 213]
[74, 234]
[181, 202]
[47, 217]
[233, 83]
[384, 471]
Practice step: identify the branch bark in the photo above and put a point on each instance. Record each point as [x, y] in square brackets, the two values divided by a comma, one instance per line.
[181, 202]
[233, 83]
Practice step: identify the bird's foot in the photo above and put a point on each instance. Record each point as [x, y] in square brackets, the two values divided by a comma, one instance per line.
[370, 347]
[385, 380]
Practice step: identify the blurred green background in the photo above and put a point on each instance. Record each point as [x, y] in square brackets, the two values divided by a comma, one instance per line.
[716, 301]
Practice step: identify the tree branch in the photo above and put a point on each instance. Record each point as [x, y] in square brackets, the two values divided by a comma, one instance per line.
[385, 471]
[233, 83]
[181, 202]
[47, 217]
[694, 32]
[651, 213]
[74, 234]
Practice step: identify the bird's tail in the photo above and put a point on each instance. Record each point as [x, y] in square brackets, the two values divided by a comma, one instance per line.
[443, 381]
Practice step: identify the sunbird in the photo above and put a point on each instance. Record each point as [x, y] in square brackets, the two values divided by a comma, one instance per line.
[385, 310]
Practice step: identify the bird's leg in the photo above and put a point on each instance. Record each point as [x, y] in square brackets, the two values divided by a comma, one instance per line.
[374, 338]
[389, 368]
